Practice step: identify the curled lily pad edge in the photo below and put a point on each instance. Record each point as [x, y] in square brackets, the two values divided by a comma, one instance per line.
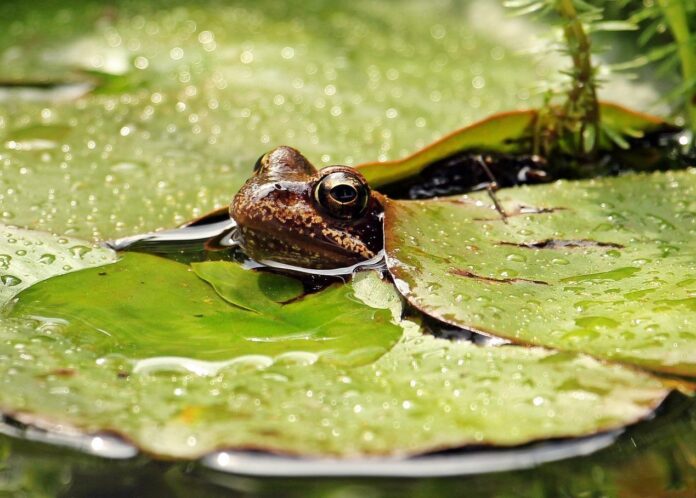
[498, 132]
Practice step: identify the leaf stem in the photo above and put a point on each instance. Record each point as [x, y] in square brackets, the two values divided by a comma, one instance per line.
[582, 97]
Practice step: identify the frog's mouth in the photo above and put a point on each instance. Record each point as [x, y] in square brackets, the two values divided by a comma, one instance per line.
[323, 248]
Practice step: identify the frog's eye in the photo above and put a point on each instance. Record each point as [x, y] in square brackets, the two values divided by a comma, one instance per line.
[260, 163]
[342, 193]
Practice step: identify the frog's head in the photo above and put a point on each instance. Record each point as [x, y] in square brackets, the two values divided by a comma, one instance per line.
[291, 213]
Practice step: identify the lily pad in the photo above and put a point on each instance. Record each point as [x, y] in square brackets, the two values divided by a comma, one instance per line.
[28, 256]
[504, 132]
[619, 120]
[97, 365]
[606, 267]
[260, 292]
[144, 306]
[500, 132]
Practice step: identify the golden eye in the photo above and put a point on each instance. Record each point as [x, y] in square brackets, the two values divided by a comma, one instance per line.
[342, 193]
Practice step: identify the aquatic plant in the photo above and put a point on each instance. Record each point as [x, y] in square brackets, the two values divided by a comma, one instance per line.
[668, 29]
[570, 117]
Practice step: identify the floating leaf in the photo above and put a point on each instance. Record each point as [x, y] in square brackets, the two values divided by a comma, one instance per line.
[498, 132]
[28, 256]
[618, 121]
[424, 394]
[160, 163]
[606, 267]
[504, 132]
[145, 306]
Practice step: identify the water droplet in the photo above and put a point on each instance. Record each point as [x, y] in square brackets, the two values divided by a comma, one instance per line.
[581, 335]
[47, 258]
[596, 322]
[508, 273]
[10, 280]
[296, 358]
[79, 251]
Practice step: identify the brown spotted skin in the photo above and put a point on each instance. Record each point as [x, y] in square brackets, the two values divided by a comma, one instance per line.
[279, 219]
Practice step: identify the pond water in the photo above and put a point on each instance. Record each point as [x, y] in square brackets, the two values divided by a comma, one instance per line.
[117, 120]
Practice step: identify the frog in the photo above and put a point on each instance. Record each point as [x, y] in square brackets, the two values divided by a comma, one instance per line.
[288, 212]
[292, 213]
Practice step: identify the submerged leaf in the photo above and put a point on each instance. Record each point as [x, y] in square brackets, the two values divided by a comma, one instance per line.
[424, 394]
[606, 267]
[250, 290]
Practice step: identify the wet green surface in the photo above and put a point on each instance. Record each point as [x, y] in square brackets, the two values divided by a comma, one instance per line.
[187, 97]
[164, 310]
[180, 371]
[654, 459]
[198, 91]
[27, 257]
[606, 267]
[104, 364]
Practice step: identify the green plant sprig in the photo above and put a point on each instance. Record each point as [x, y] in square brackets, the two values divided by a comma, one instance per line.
[675, 19]
[569, 121]
[675, 13]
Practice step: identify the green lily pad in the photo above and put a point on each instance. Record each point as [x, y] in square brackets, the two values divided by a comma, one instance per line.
[85, 350]
[619, 122]
[499, 132]
[260, 292]
[504, 132]
[28, 256]
[606, 267]
[144, 306]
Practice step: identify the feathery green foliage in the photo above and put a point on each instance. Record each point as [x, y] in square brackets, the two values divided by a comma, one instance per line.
[570, 121]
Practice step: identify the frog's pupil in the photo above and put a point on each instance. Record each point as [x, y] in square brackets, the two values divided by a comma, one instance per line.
[344, 193]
